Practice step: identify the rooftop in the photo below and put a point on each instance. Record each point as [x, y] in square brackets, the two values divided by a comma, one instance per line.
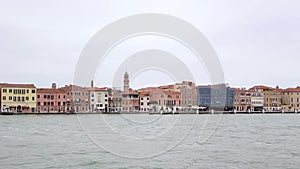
[2, 85]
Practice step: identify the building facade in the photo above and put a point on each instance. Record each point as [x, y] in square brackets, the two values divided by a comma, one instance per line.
[216, 96]
[188, 94]
[291, 99]
[272, 99]
[257, 98]
[164, 98]
[18, 98]
[130, 98]
[77, 98]
[144, 102]
[50, 100]
[115, 99]
[98, 99]
[242, 100]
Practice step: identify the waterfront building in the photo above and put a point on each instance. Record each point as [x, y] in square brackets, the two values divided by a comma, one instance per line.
[50, 100]
[164, 97]
[242, 99]
[272, 99]
[77, 98]
[115, 99]
[144, 102]
[130, 98]
[266, 98]
[291, 99]
[18, 98]
[188, 93]
[98, 99]
[257, 98]
[218, 96]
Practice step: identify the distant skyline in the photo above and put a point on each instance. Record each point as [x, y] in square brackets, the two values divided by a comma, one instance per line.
[256, 41]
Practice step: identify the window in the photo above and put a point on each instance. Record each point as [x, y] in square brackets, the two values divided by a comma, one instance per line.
[27, 98]
[33, 91]
[27, 90]
[10, 90]
[15, 99]
[23, 99]
[45, 96]
[59, 96]
[4, 98]
[38, 96]
[33, 99]
[10, 98]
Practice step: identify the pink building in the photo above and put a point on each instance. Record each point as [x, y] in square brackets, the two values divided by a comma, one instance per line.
[77, 98]
[51, 100]
[165, 98]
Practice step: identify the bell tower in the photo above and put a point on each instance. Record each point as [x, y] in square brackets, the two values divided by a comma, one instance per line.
[126, 82]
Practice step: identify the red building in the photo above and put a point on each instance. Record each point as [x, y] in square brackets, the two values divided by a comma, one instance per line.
[51, 100]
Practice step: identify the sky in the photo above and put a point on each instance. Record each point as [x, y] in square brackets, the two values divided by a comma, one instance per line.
[257, 42]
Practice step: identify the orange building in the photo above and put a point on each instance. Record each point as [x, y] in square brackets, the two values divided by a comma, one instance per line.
[291, 99]
[242, 99]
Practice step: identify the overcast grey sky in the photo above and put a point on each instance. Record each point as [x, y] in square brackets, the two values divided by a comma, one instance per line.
[258, 42]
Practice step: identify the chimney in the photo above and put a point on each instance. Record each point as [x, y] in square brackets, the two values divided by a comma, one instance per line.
[92, 83]
[53, 85]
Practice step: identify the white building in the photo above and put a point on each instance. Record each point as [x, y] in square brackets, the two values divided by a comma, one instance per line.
[144, 102]
[98, 99]
[257, 102]
[257, 98]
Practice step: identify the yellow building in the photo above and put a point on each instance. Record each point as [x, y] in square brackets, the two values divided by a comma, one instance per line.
[18, 98]
[291, 99]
